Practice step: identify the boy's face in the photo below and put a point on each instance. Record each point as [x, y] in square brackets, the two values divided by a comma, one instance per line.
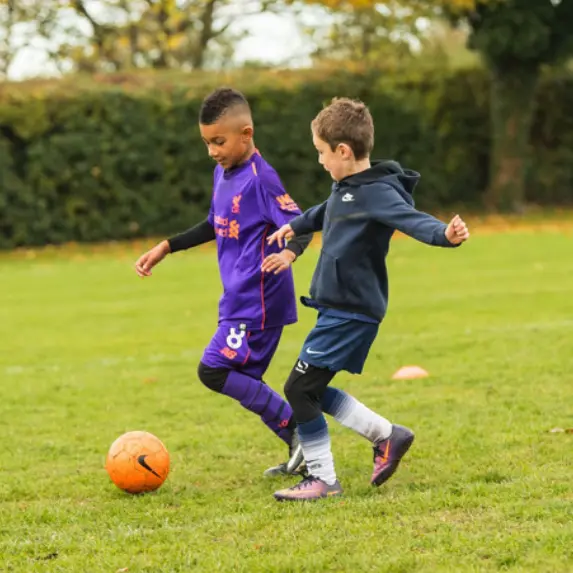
[228, 140]
[336, 162]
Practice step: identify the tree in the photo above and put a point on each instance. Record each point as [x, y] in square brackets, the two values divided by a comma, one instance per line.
[160, 34]
[368, 34]
[9, 18]
[20, 22]
[116, 35]
[365, 31]
[515, 39]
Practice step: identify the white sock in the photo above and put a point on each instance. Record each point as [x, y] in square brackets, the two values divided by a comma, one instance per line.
[355, 415]
[315, 442]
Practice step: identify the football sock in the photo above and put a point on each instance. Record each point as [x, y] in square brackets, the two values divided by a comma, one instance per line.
[257, 397]
[315, 443]
[355, 415]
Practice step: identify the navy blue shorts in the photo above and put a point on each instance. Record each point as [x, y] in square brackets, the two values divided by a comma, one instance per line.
[339, 343]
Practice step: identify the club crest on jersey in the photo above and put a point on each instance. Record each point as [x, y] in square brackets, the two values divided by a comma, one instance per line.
[236, 208]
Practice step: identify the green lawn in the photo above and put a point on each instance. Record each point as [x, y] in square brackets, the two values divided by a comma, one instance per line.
[90, 351]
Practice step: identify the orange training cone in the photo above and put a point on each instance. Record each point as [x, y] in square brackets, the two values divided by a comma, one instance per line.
[410, 373]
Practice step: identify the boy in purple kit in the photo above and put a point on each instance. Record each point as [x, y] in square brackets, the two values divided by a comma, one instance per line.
[249, 203]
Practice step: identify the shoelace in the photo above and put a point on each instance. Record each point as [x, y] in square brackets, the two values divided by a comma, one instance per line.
[307, 482]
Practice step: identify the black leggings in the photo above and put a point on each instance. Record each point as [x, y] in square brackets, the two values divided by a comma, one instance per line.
[304, 390]
[213, 378]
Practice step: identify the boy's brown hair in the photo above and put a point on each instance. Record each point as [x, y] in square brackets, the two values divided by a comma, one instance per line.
[346, 121]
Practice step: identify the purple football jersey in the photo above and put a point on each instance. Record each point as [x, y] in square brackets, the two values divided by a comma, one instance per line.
[249, 203]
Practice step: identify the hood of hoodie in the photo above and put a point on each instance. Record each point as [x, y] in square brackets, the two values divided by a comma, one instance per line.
[389, 172]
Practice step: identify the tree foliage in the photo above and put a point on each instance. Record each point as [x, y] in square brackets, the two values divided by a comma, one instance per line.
[523, 33]
[117, 35]
[515, 39]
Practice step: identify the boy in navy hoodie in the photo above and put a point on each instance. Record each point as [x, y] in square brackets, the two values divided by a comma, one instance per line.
[349, 289]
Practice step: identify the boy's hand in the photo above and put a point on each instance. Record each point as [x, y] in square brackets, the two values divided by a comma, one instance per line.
[285, 232]
[147, 261]
[457, 231]
[278, 262]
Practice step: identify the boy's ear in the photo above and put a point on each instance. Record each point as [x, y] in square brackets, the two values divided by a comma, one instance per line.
[345, 151]
[247, 132]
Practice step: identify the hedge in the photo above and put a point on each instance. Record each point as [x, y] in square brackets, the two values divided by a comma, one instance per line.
[82, 160]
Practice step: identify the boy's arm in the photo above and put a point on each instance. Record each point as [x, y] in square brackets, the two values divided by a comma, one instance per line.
[281, 209]
[193, 237]
[391, 209]
[197, 235]
[299, 244]
[310, 221]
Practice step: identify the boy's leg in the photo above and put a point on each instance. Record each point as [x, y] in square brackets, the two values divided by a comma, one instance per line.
[262, 346]
[304, 389]
[254, 395]
[231, 367]
[351, 413]
[390, 442]
[340, 344]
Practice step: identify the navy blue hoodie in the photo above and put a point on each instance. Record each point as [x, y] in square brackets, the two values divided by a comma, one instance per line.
[357, 223]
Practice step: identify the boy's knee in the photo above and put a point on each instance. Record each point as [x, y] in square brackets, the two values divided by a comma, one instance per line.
[297, 385]
[213, 378]
[294, 387]
[304, 389]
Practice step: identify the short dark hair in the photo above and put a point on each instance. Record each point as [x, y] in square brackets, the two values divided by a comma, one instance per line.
[347, 121]
[219, 102]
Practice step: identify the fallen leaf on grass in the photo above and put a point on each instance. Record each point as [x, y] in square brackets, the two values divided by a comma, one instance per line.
[561, 431]
[47, 557]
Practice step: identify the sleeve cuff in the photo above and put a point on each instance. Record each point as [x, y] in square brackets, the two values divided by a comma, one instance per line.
[443, 240]
[295, 248]
[176, 244]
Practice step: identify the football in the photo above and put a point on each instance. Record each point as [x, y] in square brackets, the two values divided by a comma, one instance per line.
[137, 462]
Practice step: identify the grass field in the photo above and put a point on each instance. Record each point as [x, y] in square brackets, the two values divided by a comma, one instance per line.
[90, 351]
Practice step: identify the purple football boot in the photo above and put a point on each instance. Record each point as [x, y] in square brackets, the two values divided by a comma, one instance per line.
[389, 452]
[309, 489]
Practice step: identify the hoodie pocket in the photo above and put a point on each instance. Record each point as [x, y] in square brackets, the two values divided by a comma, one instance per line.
[325, 279]
[334, 283]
